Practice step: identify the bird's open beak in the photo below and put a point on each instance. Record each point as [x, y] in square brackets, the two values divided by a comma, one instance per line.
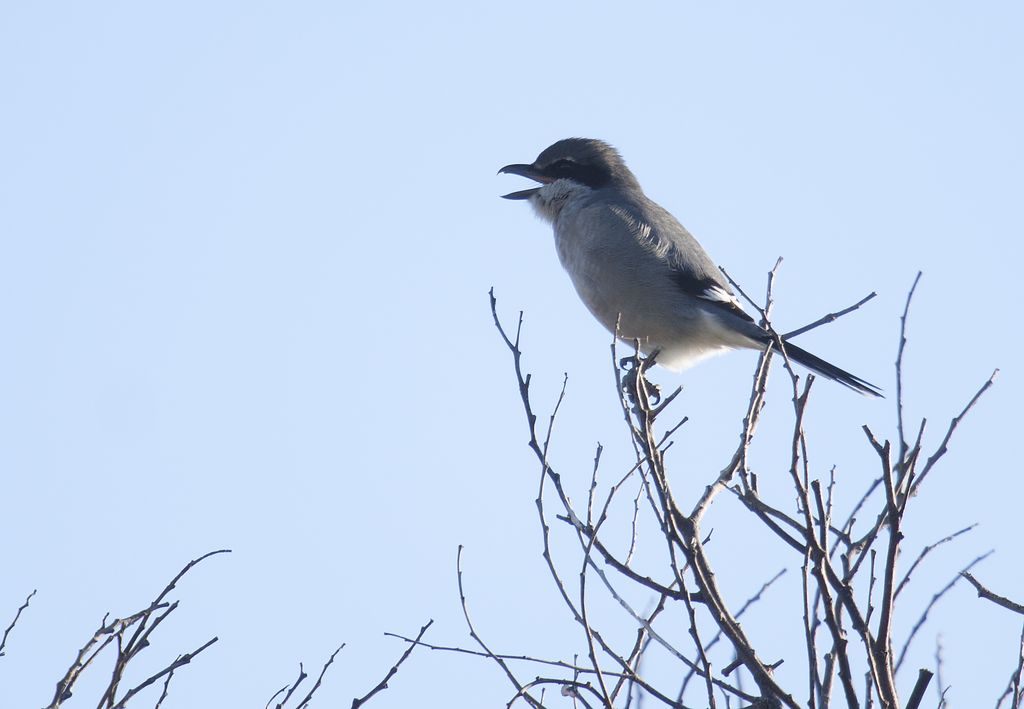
[522, 194]
[526, 171]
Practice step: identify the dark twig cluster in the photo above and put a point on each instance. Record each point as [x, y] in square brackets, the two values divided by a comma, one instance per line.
[289, 692]
[850, 577]
[289, 689]
[128, 637]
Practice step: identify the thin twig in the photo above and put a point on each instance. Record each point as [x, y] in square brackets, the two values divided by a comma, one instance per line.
[163, 693]
[320, 678]
[931, 604]
[927, 550]
[179, 662]
[940, 686]
[23, 606]
[383, 684]
[479, 641]
[114, 631]
[944, 445]
[1015, 687]
[739, 614]
[830, 318]
[994, 597]
[899, 368]
[573, 667]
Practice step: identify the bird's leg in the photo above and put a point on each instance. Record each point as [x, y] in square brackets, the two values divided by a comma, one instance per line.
[653, 390]
[630, 366]
[637, 366]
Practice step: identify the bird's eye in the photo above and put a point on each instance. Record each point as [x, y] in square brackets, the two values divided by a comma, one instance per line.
[591, 175]
[562, 166]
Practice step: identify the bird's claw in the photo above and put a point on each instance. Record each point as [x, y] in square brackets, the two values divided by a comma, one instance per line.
[637, 367]
[653, 392]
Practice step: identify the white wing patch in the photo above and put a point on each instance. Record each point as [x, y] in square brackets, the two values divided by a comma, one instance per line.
[718, 294]
[641, 230]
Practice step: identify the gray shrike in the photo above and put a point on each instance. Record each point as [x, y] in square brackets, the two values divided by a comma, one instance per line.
[633, 264]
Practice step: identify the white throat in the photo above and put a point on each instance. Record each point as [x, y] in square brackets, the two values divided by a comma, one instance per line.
[549, 200]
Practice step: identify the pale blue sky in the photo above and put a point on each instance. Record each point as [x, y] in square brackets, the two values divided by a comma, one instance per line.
[243, 271]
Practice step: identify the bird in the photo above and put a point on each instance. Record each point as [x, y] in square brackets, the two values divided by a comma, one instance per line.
[638, 270]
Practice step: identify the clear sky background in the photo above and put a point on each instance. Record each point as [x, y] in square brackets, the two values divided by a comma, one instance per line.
[245, 249]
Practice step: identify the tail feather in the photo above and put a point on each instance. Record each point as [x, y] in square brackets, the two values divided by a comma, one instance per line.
[830, 371]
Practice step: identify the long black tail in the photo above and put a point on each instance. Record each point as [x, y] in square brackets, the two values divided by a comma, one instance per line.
[830, 371]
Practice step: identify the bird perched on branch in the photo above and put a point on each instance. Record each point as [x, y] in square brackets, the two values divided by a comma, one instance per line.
[636, 267]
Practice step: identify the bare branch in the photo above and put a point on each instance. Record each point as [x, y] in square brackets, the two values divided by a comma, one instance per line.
[479, 641]
[928, 549]
[383, 684]
[738, 463]
[899, 368]
[830, 566]
[1015, 687]
[830, 318]
[935, 599]
[179, 662]
[163, 693]
[320, 678]
[994, 597]
[739, 614]
[22, 607]
[923, 678]
[289, 690]
[571, 666]
[940, 686]
[943, 446]
[114, 632]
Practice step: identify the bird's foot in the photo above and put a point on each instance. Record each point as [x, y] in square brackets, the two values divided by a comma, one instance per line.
[635, 379]
[653, 392]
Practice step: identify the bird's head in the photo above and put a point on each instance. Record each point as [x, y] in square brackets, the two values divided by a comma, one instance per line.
[570, 168]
